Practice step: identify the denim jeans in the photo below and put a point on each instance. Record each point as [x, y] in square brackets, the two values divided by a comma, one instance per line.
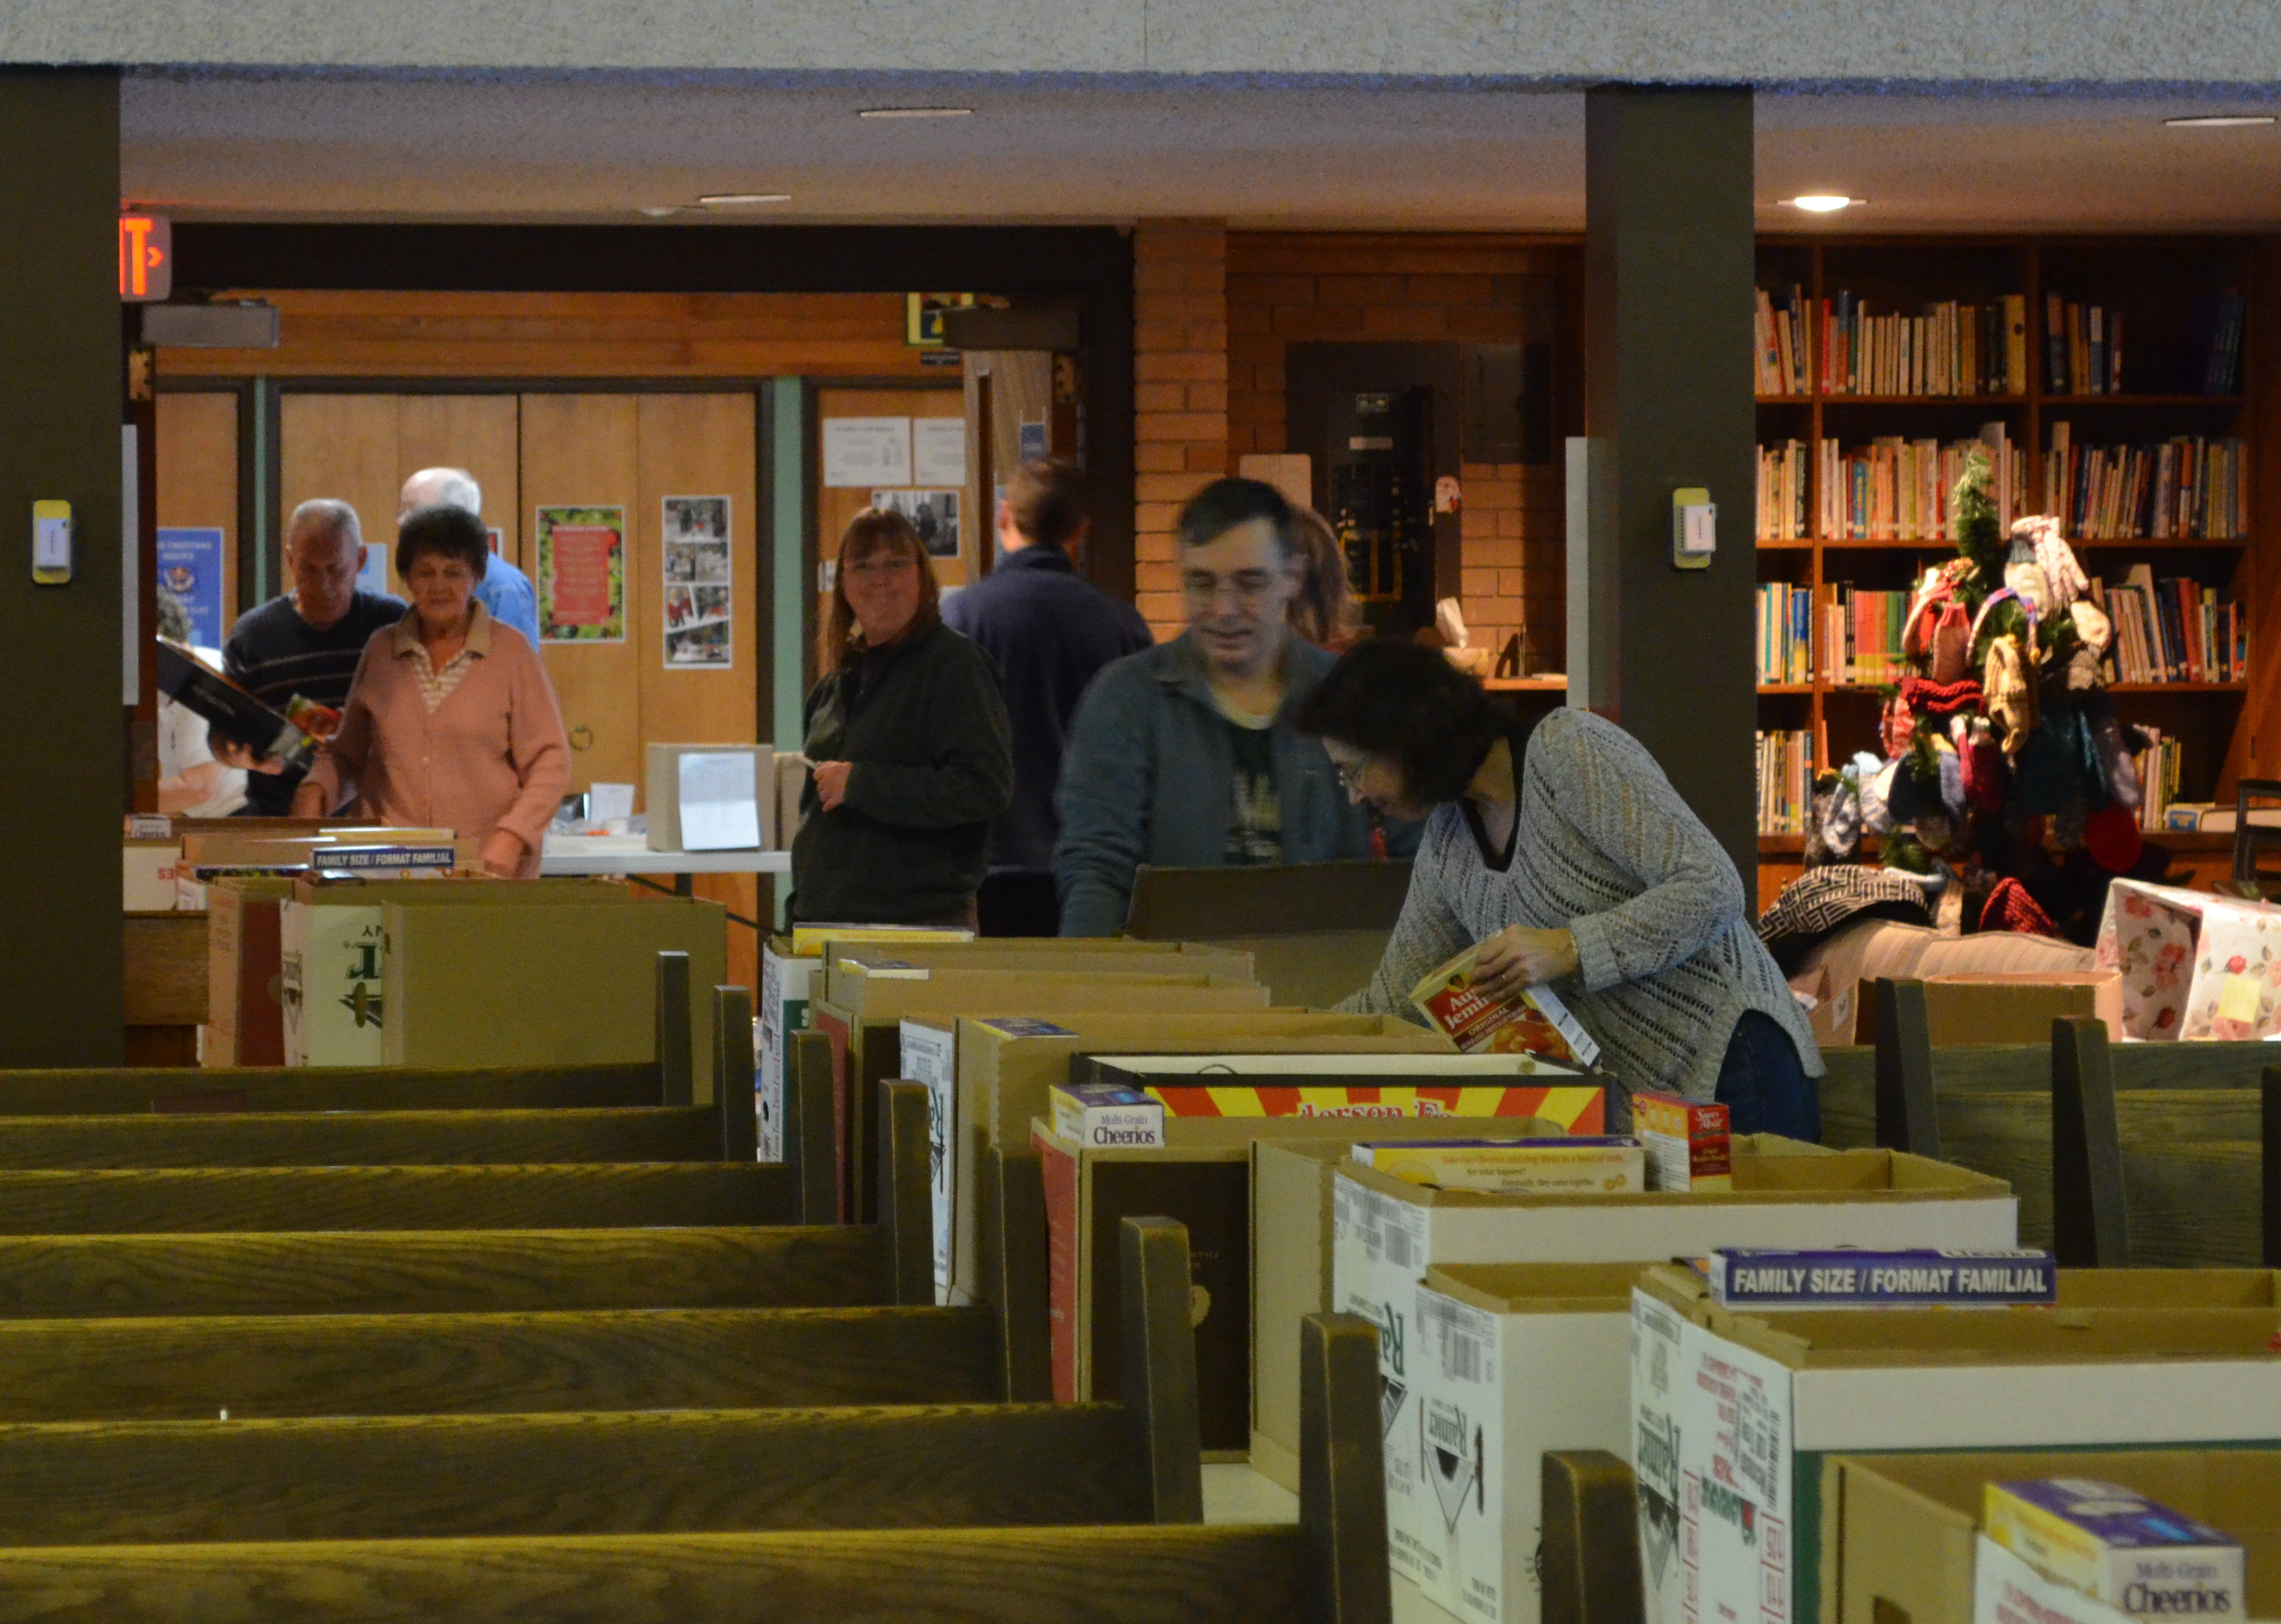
[1763, 1084]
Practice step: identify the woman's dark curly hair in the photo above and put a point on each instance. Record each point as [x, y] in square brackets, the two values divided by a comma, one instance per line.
[1408, 705]
[448, 532]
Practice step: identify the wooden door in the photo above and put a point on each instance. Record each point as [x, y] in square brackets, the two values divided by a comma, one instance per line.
[344, 447]
[580, 450]
[700, 447]
[198, 476]
[480, 433]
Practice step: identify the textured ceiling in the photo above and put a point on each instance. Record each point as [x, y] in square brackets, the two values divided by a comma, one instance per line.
[435, 147]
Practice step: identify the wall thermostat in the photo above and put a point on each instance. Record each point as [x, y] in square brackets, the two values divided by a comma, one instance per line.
[52, 543]
[1694, 527]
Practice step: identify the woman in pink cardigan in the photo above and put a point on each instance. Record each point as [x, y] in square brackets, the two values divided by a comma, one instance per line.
[450, 722]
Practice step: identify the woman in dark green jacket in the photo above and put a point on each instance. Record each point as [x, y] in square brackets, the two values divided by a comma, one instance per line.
[911, 750]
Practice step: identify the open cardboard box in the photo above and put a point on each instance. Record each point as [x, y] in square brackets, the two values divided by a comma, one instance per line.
[1737, 1417]
[1292, 1181]
[1204, 1178]
[1007, 1065]
[791, 980]
[1902, 1529]
[1387, 1233]
[499, 983]
[866, 1032]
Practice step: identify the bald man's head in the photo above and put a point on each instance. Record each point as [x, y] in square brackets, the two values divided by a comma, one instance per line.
[441, 488]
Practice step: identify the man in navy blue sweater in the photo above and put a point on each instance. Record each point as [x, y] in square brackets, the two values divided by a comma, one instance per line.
[1051, 631]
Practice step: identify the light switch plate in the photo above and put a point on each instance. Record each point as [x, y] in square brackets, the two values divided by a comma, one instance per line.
[1694, 527]
[52, 543]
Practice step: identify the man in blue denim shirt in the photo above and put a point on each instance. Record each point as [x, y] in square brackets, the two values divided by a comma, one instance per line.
[505, 592]
[1183, 756]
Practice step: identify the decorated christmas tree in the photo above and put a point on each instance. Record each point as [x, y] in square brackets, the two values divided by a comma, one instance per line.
[2003, 768]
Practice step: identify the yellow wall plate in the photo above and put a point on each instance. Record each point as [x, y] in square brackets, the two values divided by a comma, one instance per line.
[52, 543]
[1694, 527]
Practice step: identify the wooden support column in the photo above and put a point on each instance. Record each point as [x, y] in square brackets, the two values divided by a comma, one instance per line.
[1668, 242]
[60, 394]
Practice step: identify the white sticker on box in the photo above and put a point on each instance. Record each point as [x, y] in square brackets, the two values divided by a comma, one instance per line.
[930, 1055]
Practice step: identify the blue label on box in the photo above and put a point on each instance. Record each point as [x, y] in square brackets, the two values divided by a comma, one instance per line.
[1753, 1276]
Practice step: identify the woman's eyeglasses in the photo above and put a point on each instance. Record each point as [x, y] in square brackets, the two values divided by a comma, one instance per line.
[880, 567]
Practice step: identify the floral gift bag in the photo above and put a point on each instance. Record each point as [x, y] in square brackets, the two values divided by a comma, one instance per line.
[2195, 966]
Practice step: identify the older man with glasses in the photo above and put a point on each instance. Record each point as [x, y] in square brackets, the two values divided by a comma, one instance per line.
[1183, 756]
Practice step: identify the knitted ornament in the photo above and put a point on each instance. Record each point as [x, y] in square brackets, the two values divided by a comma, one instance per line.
[1898, 726]
[1980, 762]
[1952, 644]
[2091, 625]
[2037, 540]
[2029, 584]
[2011, 695]
[1933, 698]
[2010, 908]
[2119, 772]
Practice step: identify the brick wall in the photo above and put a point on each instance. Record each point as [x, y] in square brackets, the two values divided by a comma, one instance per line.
[1287, 287]
[1180, 394]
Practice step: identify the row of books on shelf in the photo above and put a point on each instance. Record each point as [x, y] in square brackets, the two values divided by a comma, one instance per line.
[2173, 631]
[1891, 490]
[1949, 348]
[1785, 781]
[1953, 348]
[2185, 488]
[2159, 766]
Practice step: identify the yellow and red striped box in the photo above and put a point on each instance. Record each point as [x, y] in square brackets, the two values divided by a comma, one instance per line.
[1574, 1109]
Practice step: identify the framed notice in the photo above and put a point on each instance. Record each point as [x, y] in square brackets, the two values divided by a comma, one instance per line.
[189, 567]
[934, 513]
[582, 575]
[700, 629]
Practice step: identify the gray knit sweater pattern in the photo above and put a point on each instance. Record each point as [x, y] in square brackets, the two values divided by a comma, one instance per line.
[1606, 850]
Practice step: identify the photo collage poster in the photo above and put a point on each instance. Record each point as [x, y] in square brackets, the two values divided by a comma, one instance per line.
[700, 619]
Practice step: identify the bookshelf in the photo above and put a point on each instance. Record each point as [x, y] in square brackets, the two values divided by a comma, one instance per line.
[2167, 293]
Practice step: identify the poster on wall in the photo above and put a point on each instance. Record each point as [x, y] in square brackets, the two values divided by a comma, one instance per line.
[699, 632]
[582, 575]
[862, 452]
[933, 513]
[939, 451]
[189, 567]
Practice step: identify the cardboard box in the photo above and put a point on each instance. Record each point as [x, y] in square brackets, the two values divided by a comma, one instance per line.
[1585, 1164]
[147, 875]
[507, 983]
[848, 964]
[792, 784]
[1903, 1529]
[246, 1016]
[1734, 1527]
[2018, 1007]
[866, 1032]
[1505, 1361]
[661, 798]
[789, 981]
[331, 945]
[1008, 1064]
[1387, 1233]
[1292, 1181]
[2194, 965]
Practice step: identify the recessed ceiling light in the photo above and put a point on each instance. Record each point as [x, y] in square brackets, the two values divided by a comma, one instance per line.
[914, 112]
[1822, 203]
[2219, 121]
[658, 210]
[737, 200]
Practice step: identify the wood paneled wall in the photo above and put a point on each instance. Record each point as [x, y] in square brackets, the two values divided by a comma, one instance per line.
[197, 473]
[372, 335]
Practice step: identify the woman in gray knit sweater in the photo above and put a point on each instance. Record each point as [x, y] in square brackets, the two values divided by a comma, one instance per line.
[1568, 847]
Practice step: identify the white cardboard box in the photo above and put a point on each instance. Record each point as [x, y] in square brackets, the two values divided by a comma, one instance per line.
[1507, 1361]
[785, 979]
[1752, 1407]
[1387, 1232]
[931, 1057]
[330, 963]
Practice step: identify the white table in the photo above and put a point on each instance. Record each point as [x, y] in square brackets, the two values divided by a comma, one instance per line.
[567, 854]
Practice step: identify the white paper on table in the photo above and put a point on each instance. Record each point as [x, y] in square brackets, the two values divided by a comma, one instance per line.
[605, 802]
[938, 451]
[720, 806]
[864, 452]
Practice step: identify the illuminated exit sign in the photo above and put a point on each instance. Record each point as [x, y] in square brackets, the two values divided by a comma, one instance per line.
[146, 257]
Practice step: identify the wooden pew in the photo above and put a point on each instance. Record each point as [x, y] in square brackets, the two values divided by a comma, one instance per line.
[670, 1470]
[1590, 1550]
[1330, 1568]
[667, 1081]
[405, 1270]
[2154, 1177]
[1988, 1106]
